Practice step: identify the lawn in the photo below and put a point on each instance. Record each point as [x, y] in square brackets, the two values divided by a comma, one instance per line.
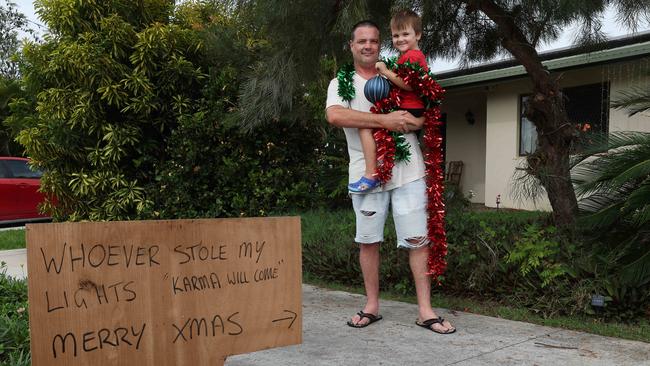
[12, 239]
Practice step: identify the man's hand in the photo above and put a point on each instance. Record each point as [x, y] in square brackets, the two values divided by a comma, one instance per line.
[401, 121]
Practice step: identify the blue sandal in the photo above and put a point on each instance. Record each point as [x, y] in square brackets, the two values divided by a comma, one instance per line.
[363, 185]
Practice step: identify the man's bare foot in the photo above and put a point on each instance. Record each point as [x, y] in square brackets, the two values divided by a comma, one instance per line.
[429, 319]
[360, 321]
[365, 319]
[438, 325]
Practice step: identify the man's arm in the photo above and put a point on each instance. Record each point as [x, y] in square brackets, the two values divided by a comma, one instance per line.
[401, 121]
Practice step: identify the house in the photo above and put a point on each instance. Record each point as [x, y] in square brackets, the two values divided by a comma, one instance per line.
[485, 128]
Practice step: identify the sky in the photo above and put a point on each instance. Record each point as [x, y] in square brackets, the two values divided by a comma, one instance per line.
[610, 28]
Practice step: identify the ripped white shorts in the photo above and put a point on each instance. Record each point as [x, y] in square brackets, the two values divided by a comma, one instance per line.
[409, 207]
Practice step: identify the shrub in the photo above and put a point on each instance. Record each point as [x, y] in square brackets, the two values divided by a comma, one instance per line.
[514, 257]
[14, 323]
[216, 170]
[110, 85]
[613, 177]
[329, 251]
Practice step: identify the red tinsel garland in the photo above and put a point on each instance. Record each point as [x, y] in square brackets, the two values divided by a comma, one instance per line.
[432, 93]
[383, 139]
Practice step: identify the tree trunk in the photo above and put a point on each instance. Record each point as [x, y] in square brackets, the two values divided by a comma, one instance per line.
[550, 163]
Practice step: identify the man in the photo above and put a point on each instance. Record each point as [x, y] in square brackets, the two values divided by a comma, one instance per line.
[406, 191]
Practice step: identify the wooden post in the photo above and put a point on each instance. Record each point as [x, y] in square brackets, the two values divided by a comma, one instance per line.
[182, 292]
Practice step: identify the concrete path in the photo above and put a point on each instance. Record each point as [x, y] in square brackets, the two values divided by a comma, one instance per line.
[395, 340]
[16, 262]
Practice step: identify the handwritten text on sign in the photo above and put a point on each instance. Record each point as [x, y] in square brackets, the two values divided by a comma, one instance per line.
[180, 292]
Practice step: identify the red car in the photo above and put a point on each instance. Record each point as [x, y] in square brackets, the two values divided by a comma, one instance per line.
[19, 195]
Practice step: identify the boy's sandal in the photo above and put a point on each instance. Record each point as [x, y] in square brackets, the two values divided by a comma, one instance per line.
[362, 185]
[371, 317]
[429, 322]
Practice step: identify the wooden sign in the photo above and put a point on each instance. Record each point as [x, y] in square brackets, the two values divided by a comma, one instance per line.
[182, 292]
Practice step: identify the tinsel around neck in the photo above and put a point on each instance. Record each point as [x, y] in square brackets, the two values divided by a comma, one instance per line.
[345, 76]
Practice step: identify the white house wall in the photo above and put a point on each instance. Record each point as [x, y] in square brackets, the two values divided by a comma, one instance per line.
[502, 127]
[466, 142]
[624, 76]
[501, 153]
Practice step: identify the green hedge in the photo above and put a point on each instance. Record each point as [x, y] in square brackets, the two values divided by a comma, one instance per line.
[514, 257]
[329, 251]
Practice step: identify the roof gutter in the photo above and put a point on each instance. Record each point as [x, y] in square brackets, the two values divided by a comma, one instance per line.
[585, 59]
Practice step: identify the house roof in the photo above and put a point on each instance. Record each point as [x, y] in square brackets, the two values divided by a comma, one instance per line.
[617, 49]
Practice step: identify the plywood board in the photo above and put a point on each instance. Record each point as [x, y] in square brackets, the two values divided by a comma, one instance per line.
[179, 292]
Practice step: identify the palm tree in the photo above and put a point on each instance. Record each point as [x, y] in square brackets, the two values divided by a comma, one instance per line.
[613, 177]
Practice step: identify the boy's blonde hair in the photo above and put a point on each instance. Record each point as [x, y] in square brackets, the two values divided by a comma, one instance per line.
[404, 18]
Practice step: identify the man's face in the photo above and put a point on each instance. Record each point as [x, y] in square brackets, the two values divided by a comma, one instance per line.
[365, 45]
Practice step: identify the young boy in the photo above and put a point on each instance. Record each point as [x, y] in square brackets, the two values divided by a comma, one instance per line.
[406, 30]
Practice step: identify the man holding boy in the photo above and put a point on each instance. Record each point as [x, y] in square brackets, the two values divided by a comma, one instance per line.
[405, 192]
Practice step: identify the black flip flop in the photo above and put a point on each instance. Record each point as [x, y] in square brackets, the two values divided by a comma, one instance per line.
[429, 322]
[371, 319]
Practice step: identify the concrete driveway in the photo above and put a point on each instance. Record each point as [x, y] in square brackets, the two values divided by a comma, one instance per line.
[396, 340]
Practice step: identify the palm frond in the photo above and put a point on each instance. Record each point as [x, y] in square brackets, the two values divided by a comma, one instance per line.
[635, 172]
[637, 273]
[603, 211]
[615, 184]
[624, 158]
[606, 143]
[642, 217]
[635, 100]
[639, 204]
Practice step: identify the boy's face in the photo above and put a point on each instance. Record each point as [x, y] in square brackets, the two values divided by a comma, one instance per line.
[365, 46]
[405, 39]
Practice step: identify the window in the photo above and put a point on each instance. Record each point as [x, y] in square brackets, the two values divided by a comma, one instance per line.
[20, 169]
[587, 106]
[527, 131]
[4, 172]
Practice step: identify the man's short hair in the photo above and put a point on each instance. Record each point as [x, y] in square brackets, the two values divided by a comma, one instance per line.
[363, 23]
[404, 18]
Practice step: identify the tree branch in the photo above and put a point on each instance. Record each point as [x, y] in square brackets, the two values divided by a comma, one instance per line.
[514, 40]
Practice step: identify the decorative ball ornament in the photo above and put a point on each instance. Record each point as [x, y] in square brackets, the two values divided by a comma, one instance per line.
[376, 89]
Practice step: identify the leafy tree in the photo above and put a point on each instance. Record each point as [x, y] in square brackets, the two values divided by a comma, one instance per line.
[111, 80]
[137, 115]
[474, 30]
[9, 89]
[11, 22]
[302, 35]
[216, 168]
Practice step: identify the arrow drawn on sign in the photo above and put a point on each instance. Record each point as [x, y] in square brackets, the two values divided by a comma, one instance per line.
[292, 317]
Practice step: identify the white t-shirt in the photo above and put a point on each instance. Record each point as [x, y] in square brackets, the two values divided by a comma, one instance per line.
[403, 172]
